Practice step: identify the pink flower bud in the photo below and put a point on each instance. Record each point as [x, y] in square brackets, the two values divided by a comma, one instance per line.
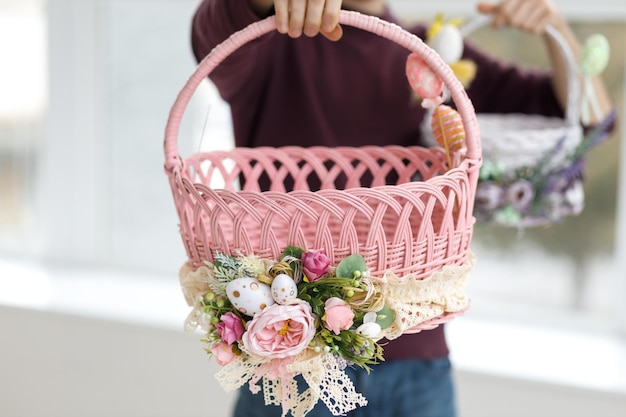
[223, 353]
[229, 328]
[315, 264]
[338, 315]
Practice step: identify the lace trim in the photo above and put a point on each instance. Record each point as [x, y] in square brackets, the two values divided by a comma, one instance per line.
[417, 301]
[324, 374]
[194, 285]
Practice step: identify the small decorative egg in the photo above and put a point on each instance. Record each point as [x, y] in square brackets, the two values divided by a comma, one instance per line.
[447, 127]
[448, 43]
[248, 295]
[595, 54]
[422, 78]
[284, 289]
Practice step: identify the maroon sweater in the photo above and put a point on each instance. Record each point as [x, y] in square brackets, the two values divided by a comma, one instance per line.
[353, 92]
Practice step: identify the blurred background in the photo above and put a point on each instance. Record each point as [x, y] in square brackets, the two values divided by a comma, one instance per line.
[90, 309]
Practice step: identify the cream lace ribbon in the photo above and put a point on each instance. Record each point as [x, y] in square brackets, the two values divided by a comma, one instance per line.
[418, 301]
[415, 303]
[324, 374]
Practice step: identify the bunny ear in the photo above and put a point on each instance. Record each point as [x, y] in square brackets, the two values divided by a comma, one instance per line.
[423, 80]
[434, 28]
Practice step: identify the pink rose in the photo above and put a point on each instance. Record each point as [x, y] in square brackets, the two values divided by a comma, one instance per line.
[315, 264]
[223, 353]
[280, 331]
[338, 315]
[229, 328]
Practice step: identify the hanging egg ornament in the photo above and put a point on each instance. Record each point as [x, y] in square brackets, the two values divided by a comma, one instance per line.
[594, 56]
[448, 43]
[447, 127]
[423, 80]
[284, 289]
[248, 295]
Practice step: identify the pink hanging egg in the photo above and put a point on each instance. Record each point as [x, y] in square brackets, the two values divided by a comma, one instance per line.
[447, 127]
[422, 79]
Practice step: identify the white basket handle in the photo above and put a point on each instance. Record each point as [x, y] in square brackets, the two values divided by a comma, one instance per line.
[572, 114]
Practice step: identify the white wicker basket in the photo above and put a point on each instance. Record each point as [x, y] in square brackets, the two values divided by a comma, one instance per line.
[526, 180]
[531, 172]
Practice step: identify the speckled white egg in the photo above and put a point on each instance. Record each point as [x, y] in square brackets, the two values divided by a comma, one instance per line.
[284, 289]
[248, 295]
[448, 43]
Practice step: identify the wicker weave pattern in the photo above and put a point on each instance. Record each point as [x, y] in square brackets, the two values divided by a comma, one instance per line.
[418, 224]
[408, 228]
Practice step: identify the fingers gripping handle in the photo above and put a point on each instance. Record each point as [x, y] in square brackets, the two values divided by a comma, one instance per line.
[368, 23]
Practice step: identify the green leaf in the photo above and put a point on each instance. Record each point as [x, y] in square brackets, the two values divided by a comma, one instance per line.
[385, 317]
[350, 265]
[226, 261]
[293, 251]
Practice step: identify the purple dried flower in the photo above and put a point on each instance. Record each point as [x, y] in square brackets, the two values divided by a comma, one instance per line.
[520, 194]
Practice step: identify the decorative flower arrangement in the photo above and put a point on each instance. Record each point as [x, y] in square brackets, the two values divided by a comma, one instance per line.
[537, 194]
[271, 320]
[280, 314]
[301, 302]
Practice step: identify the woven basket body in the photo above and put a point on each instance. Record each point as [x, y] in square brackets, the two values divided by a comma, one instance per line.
[524, 140]
[533, 150]
[408, 227]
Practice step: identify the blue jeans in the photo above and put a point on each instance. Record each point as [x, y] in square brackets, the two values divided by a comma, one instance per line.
[400, 388]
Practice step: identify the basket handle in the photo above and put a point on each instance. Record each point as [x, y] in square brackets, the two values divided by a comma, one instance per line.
[573, 88]
[393, 32]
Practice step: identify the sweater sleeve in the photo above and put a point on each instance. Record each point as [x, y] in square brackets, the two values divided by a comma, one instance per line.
[213, 22]
[506, 88]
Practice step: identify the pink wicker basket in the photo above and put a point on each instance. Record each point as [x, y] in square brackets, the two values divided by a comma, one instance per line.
[408, 227]
[408, 243]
